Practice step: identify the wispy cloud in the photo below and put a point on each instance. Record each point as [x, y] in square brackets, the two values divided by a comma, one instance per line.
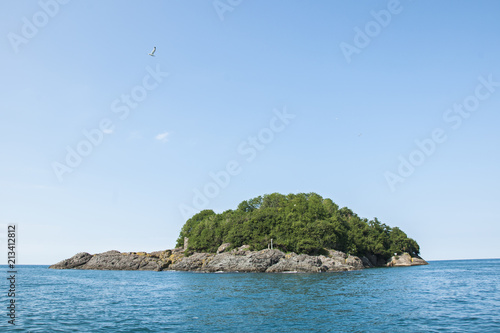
[163, 137]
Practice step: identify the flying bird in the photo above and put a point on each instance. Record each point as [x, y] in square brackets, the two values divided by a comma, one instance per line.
[153, 52]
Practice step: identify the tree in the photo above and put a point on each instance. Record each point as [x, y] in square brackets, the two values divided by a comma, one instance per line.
[303, 223]
[192, 223]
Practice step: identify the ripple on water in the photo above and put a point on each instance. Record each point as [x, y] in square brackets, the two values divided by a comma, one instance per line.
[448, 296]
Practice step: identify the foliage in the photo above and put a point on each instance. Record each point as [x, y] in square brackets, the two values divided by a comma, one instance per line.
[302, 223]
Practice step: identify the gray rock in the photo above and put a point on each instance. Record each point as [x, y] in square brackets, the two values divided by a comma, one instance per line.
[405, 259]
[248, 261]
[334, 264]
[354, 262]
[261, 260]
[372, 258]
[312, 264]
[163, 255]
[228, 262]
[114, 260]
[337, 255]
[417, 261]
[110, 252]
[375, 261]
[298, 263]
[223, 247]
[75, 261]
[367, 263]
[237, 260]
[242, 250]
[194, 262]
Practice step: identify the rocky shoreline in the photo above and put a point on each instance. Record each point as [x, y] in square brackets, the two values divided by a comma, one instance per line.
[237, 260]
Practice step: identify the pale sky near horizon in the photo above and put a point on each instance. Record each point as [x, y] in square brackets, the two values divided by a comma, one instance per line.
[389, 108]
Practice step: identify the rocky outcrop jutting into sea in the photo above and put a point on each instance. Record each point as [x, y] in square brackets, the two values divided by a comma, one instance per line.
[236, 260]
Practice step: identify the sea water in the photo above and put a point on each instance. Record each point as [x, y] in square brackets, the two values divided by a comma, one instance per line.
[445, 296]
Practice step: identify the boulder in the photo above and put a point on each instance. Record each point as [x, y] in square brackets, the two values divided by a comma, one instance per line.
[194, 262]
[372, 258]
[110, 252]
[114, 260]
[242, 250]
[263, 259]
[354, 262]
[367, 263]
[297, 263]
[228, 262]
[405, 259]
[329, 264]
[313, 264]
[248, 261]
[75, 261]
[337, 255]
[162, 255]
[223, 247]
[417, 261]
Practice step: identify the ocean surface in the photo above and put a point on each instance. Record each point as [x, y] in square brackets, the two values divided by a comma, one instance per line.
[445, 296]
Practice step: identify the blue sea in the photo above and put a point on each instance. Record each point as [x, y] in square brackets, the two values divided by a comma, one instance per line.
[445, 296]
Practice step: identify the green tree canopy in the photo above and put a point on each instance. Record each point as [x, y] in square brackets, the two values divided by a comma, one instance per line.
[302, 223]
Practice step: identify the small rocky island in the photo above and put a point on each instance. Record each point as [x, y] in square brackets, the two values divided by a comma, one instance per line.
[236, 260]
[274, 234]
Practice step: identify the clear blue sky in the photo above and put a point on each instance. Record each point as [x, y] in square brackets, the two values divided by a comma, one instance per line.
[352, 120]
